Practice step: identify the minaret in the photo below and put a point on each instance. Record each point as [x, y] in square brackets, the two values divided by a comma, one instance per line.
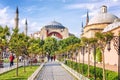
[17, 18]
[82, 27]
[81, 30]
[87, 18]
[26, 27]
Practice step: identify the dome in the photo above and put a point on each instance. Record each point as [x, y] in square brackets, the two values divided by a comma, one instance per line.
[103, 17]
[54, 24]
[112, 26]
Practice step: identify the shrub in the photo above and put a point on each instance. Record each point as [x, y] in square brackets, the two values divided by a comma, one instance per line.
[110, 75]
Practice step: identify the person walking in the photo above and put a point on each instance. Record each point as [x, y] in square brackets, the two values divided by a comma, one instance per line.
[54, 57]
[11, 58]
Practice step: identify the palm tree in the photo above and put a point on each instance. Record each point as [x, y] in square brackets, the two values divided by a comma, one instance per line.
[102, 42]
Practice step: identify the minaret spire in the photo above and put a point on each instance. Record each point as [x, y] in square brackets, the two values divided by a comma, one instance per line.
[26, 27]
[17, 18]
[87, 18]
[82, 27]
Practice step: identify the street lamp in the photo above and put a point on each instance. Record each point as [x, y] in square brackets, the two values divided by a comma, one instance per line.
[116, 45]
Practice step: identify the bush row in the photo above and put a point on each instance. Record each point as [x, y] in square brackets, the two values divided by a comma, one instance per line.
[83, 69]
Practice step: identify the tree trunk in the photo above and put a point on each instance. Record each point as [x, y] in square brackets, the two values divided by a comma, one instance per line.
[103, 59]
[30, 62]
[24, 66]
[88, 62]
[83, 60]
[1, 61]
[94, 62]
[76, 62]
[17, 67]
[79, 60]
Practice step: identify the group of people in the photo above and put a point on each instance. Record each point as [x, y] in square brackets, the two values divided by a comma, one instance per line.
[12, 57]
[51, 58]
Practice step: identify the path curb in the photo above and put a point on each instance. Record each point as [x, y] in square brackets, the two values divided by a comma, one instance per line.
[74, 73]
[35, 74]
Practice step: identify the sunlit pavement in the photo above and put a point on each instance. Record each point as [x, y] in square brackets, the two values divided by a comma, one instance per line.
[54, 71]
[7, 67]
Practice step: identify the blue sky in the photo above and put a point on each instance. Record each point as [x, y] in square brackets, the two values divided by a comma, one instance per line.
[70, 13]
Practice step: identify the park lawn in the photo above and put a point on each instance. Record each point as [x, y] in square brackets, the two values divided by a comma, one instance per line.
[11, 75]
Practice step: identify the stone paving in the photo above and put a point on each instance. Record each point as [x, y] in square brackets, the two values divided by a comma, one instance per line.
[7, 67]
[54, 71]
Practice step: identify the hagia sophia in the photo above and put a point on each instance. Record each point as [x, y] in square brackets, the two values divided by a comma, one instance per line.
[53, 29]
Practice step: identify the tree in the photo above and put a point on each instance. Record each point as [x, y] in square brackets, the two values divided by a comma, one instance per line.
[90, 42]
[17, 44]
[102, 42]
[34, 48]
[50, 45]
[4, 34]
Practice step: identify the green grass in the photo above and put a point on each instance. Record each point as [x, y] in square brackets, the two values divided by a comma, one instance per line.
[11, 75]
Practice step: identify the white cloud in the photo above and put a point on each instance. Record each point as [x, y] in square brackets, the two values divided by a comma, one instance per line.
[81, 6]
[5, 18]
[32, 26]
[115, 0]
[93, 5]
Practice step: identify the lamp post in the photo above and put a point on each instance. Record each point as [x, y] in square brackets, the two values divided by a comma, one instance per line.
[116, 45]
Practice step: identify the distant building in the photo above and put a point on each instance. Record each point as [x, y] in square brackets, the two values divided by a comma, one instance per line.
[52, 29]
[103, 22]
[98, 22]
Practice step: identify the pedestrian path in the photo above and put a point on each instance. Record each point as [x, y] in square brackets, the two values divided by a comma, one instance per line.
[7, 67]
[54, 71]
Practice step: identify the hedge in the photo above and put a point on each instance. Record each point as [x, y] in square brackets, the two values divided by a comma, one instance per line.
[110, 75]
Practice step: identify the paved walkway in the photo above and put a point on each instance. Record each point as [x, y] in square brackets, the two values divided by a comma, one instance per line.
[7, 67]
[54, 71]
